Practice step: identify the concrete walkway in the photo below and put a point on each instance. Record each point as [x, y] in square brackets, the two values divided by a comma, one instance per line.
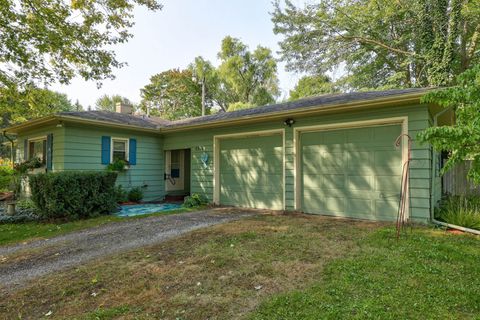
[24, 262]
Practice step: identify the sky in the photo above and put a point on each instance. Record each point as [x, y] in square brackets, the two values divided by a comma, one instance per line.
[174, 36]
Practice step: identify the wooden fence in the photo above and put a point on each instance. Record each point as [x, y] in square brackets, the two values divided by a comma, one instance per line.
[455, 181]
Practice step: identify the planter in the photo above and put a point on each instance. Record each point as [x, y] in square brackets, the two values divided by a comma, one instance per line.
[11, 208]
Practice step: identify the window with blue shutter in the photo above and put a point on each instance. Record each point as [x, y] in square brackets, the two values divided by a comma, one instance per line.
[132, 152]
[106, 149]
[49, 153]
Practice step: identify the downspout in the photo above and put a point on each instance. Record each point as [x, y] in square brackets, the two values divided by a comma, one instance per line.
[11, 150]
[432, 216]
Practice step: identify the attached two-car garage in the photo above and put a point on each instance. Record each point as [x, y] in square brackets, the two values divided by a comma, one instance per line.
[349, 172]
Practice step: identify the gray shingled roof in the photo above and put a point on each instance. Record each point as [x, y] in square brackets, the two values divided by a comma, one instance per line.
[118, 118]
[311, 102]
[316, 102]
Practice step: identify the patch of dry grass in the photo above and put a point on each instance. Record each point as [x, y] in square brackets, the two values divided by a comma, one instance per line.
[222, 272]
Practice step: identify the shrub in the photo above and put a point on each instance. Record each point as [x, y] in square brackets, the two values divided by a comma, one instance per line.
[74, 194]
[118, 165]
[6, 177]
[135, 194]
[195, 200]
[120, 194]
[461, 211]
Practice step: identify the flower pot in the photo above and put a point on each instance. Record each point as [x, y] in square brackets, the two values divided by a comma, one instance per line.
[11, 208]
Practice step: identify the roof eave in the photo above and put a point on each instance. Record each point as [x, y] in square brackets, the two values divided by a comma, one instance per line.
[311, 110]
[15, 129]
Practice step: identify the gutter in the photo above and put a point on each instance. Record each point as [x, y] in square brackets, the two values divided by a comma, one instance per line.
[432, 216]
[11, 150]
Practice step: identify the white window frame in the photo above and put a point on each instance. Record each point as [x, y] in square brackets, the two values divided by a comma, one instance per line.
[127, 147]
[36, 139]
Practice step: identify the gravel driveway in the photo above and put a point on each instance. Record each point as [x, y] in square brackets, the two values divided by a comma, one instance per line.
[24, 262]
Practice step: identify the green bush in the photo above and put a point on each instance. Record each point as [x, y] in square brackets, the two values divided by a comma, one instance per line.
[195, 200]
[6, 177]
[73, 195]
[135, 194]
[120, 194]
[117, 165]
[461, 211]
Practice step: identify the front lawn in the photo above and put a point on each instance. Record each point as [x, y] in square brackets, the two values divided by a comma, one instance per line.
[17, 232]
[270, 267]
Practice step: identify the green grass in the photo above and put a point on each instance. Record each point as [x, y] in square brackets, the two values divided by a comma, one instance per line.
[17, 232]
[425, 275]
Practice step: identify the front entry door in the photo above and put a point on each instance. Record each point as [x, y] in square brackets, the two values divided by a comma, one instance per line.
[174, 170]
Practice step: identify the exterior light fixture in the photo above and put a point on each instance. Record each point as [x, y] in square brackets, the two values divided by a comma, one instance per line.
[60, 124]
[289, 122]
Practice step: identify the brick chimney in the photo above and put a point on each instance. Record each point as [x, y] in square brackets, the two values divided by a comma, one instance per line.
[124, 108]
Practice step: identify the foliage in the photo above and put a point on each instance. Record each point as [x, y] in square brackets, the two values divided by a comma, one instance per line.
[20, 105]
[244, 78]
[435, 272]
[135, 194]
[172, 94]
[460, 210]
[461, 140]
[118, 165]
[314, 85]
[47, 41]
[247, 76]
[109, 103]
[380, 44]
[26, 204]
[195, 200]
[25, 166]
[6, 177]
[73, 195]
[239, 106]
[120, 194]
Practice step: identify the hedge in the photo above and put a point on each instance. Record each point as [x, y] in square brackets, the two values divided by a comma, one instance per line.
[73, 195]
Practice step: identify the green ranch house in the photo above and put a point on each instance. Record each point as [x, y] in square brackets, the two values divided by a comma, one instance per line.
[332, 154]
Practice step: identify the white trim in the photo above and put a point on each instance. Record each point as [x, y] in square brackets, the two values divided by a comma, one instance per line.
[216, 157]
[127, 147]
[403, 121]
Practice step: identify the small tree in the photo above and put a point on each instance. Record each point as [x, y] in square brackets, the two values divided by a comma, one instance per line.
[461, 140]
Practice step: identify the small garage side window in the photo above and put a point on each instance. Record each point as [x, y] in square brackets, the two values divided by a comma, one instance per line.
[119, 149]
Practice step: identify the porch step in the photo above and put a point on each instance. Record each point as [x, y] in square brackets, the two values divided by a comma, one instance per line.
[170, 198]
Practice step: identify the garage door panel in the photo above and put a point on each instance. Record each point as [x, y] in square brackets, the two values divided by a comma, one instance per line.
[351, 172]
[248, 180]
[360, 182]
[251, 171]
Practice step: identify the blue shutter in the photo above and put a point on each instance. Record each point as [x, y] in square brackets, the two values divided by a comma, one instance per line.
[132, 152]
[25, 150]
[49, 152]
[106, 150]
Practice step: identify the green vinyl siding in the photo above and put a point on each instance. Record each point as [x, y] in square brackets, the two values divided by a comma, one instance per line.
[251, 172]
[352, 172]
[201, 140]
[83, 152]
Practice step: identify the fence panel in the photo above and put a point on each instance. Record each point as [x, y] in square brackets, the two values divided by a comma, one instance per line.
[455, 181]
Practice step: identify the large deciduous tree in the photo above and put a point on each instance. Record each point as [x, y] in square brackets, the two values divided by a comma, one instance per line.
[247, 77]
[314, 85]
[461, 140]
[56, 40]
[109, 103]
[29, 103]
[381, 43]
[173, 94]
